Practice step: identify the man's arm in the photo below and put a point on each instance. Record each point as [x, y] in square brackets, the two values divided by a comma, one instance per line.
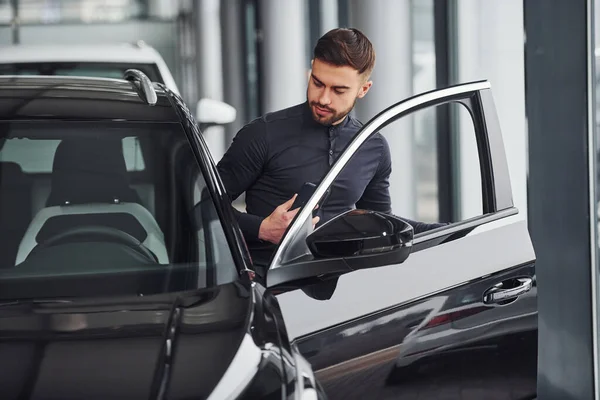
[239, 168]
[376, 196]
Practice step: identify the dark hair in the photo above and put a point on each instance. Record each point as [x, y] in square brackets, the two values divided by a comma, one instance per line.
[346, 47]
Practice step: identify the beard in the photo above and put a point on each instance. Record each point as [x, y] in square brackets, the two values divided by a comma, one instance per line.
[332, 117]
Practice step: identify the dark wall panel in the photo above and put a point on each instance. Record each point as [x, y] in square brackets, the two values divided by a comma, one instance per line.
[559, 218]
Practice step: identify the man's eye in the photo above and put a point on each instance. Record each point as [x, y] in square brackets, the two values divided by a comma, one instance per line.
[318, 84]
[338, 91]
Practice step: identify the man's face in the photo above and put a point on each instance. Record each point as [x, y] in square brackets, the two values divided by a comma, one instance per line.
[333, 91]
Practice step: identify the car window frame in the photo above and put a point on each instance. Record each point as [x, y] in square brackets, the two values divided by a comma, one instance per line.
[233, 233]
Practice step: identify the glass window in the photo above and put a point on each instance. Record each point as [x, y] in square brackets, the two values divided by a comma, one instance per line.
[416, 177]
[105, 208]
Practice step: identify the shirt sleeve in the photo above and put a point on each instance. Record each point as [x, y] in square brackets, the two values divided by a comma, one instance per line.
[376, 196]
[239, 168]
[419, 227]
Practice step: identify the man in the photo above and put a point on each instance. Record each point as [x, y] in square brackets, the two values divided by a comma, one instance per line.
[273, 156]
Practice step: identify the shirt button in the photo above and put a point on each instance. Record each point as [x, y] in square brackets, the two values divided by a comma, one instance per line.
[330, 152]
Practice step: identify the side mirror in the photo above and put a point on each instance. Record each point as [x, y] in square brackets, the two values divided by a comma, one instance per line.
[364, 239]
[356, 239]
[214, 112]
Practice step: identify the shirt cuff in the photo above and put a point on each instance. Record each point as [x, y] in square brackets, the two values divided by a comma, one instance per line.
[250, 225]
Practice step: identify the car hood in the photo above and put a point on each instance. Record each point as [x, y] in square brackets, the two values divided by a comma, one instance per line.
[131, 348]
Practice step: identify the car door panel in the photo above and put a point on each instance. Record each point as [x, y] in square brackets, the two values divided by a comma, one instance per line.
[449, 344]
[465, 288]
[424, 272]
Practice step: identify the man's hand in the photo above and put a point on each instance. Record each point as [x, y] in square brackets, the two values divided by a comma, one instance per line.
[274, 226]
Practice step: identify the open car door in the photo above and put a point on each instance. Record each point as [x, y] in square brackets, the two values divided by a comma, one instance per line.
[450, 310]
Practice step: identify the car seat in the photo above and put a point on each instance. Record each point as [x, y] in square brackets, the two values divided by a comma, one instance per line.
[90, 187]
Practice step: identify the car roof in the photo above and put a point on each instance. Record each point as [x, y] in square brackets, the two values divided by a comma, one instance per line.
[120, 52]
[80, 98]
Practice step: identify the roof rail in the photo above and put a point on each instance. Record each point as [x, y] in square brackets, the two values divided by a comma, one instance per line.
[135, 75]
[139, 44]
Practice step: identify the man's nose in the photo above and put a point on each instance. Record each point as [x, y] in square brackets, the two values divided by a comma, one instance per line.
[325, 99]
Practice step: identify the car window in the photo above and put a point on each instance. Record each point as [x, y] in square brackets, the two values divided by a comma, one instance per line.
[401, 161]
[120, 207]
[415, 187]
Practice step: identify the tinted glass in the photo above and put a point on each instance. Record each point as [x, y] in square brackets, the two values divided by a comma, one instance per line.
[114, 208]
[90, 69]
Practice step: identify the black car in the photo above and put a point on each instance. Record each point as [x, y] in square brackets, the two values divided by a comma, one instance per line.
[123, 273]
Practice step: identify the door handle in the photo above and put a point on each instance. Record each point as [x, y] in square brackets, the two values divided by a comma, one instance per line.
[507, 290]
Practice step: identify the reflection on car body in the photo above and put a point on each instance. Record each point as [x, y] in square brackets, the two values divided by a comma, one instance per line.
[124, 275]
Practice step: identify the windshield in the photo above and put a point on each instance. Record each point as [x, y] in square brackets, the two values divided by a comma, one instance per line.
[89, 69]
[105, 208]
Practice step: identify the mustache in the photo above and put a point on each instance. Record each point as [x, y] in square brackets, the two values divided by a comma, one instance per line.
[314, 103]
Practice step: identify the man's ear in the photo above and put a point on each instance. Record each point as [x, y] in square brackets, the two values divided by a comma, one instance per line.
[364, 89]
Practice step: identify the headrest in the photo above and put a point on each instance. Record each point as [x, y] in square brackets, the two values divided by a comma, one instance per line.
[90, 170]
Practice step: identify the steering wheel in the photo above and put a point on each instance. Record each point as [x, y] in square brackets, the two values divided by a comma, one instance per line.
[97, 233]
